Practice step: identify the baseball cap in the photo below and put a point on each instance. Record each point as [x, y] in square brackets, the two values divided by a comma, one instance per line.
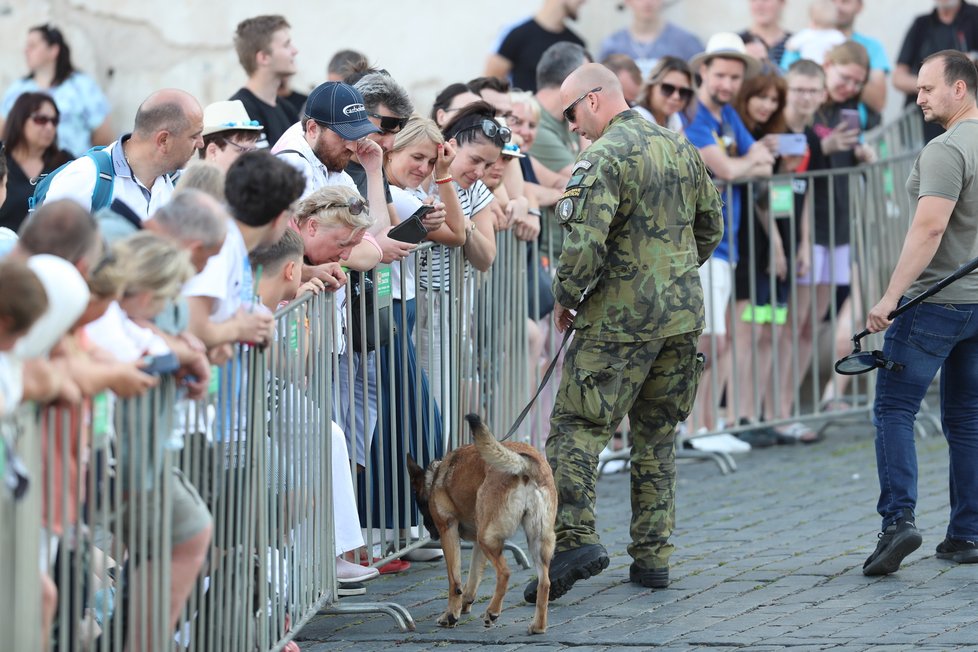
[340, 107]
[228, 115]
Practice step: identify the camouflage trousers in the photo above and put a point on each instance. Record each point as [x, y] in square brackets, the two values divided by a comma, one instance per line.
[654, 383]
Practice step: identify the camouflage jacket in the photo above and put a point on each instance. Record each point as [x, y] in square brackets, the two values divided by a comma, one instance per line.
[641, 214]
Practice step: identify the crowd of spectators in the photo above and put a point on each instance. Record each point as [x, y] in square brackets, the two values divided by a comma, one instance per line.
[162, 241]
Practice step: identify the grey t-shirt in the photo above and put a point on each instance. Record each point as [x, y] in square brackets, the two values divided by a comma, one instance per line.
[950, 170]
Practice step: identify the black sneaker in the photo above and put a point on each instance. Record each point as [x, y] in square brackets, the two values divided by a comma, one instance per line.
[567, 567]
[958, 550]
[652, 578]
[896, 542]
[759, 437]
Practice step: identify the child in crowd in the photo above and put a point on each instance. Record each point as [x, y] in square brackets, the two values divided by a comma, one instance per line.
[22, 302]
[278, 268]
[814, 42]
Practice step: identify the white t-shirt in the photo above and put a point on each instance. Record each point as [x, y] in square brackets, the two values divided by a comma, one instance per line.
[305, 161]
[226, 277]
[124, 338]
[473, 200]
[77, 181]
[675, 123]
[814, 44]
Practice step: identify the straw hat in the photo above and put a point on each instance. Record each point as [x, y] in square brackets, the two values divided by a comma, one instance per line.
[227, 115]
[728, 46]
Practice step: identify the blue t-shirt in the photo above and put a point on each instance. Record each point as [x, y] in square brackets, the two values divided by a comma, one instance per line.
[673, 41]
[877, 55]
[732, 136]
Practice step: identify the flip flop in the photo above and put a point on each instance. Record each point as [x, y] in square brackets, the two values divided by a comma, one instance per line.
[798, 432]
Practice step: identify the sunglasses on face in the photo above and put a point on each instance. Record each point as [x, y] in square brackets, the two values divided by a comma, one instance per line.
[244, 149]
[668, 90]
[390, 124]
[571, 110]
[355, 206]
[490, 128]
[41, 120]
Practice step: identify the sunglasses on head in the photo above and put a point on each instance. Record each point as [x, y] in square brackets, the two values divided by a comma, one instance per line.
[668, 90]
[571, 110]
[490, 128]
[390, 124]
[41, 120]
[355, 206]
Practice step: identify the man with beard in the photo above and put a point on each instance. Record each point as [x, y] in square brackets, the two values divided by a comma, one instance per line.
[731, 153]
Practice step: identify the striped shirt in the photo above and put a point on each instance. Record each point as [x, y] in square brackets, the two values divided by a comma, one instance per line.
[433, 270]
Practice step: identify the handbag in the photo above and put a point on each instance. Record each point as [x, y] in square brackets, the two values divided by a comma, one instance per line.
[374, 294]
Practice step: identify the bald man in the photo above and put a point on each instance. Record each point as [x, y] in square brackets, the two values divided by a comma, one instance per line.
[641, 215]
[142, 164]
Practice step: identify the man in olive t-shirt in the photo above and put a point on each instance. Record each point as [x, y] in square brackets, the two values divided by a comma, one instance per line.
[939, 334]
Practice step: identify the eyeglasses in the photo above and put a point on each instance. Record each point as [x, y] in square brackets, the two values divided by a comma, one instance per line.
[244, 149]
[810, 92]
[355, 206]
[42, 120]
[668, 90]
[390, 124]
[850, 81]
[570, 110]
[490, 128]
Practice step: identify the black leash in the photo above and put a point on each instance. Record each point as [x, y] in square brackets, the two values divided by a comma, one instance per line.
[543, 383]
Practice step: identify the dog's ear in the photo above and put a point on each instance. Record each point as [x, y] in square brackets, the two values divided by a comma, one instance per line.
[415, 472]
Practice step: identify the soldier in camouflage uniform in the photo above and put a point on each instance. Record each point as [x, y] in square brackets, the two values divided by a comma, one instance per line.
[641, 215]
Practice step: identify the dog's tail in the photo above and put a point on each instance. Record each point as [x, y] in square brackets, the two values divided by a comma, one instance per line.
[494, 453]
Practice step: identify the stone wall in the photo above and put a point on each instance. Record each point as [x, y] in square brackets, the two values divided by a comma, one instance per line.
[134, 46]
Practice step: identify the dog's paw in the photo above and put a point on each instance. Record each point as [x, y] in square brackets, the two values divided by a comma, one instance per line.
[489, 619]
[536, 629]
[447, 619]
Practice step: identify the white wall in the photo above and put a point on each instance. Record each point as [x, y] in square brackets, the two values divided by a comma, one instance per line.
[136, 46]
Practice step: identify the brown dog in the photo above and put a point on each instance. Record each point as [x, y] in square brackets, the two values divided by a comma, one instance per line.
[483, 492]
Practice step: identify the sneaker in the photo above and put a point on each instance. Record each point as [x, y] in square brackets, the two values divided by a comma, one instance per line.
[652, 578]
[349, 572]
[958, 550]
[759, 436]
[346, 589]
[896, 542]
[568, 566]
[721, 443]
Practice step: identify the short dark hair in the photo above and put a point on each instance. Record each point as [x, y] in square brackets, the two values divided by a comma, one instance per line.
[806, 68]
[558, 62]
[463, 126]
[444, 98]
[221, 138]
[480, 84]
[254, 35]
[260, 186]
[618, 63]
[272, 256]
[957, 66]
[22, 296]
[13, 130]
[61, 228]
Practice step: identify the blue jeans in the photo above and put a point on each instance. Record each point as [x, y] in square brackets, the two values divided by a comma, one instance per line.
[925, 339]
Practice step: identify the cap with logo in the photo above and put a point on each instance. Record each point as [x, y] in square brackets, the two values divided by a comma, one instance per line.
[228, 115]
[340, 107]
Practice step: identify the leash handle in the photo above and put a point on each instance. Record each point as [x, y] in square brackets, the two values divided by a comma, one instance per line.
[543, 383]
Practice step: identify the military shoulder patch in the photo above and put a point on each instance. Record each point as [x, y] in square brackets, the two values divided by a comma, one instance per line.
[564, 209]
[581, 165]
[573, 192]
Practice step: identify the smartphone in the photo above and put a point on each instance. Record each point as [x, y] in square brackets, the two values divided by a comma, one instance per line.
[157, 365]
[412, 230]
[850, 118]
[792, 144]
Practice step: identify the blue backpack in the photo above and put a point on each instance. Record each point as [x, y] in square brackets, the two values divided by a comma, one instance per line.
[101, 194]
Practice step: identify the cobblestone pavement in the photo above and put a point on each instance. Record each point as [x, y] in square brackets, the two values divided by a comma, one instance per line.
[768, 558]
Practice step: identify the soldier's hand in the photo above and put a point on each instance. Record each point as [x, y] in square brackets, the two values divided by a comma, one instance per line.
[563, 318]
